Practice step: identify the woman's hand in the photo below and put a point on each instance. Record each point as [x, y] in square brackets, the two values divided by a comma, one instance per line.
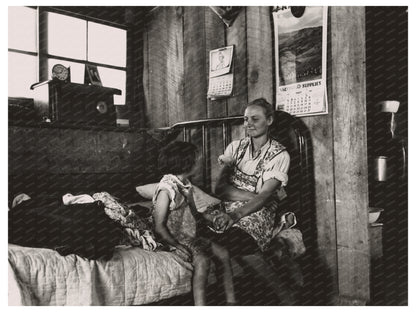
[223, 222]
[183, 252]
[226, 160]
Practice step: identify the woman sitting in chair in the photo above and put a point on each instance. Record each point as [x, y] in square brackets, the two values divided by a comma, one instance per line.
[250, 184]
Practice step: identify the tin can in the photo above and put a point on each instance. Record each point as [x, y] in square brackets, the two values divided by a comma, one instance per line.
[380, 168]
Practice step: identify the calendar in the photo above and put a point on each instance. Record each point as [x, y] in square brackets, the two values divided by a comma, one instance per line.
[303, 99]
[220, 86]
[220, 76]
[301, 64]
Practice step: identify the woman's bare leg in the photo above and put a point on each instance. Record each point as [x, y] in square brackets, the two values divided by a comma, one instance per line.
[199, 280]
[223, 256]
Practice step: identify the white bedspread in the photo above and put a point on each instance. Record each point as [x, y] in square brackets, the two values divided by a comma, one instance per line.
[133, 276]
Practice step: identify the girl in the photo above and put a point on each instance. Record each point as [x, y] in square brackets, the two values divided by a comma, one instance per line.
[176, 219]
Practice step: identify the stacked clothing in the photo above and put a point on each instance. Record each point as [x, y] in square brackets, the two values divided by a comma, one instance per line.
[82, 229]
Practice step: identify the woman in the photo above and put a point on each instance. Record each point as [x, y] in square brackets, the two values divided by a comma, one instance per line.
[250, 184]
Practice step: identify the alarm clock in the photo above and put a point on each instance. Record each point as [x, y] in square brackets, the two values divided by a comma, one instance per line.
[60, 72]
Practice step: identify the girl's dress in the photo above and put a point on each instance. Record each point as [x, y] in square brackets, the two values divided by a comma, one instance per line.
[249, 174]
[180, 222]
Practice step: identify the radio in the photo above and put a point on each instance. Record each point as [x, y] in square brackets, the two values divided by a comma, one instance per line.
[75, 104]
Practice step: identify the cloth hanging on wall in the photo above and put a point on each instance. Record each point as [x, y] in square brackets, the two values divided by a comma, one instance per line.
[227, 14]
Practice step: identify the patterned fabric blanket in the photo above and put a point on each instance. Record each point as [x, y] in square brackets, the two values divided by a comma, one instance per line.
[138, 230]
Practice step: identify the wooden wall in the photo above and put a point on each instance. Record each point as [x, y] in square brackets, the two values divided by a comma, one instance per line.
[177, 43]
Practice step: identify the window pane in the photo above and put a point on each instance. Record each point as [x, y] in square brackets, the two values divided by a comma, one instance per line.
[106, 44]
[22, 28]
[114, 78]
[77, 69]
[67, 36]
[22, 74]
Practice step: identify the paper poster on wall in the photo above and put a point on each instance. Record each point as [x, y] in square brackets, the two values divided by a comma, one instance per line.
[300, 37]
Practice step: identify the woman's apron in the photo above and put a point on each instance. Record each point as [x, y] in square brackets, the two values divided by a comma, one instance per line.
[259, 224]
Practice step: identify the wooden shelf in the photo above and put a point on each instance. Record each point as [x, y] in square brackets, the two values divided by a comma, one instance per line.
[74, 103]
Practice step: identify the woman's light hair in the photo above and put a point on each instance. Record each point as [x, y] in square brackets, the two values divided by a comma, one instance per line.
[261, 102]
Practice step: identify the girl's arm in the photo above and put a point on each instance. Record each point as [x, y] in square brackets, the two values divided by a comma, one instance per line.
[225, 191]
[160, 215]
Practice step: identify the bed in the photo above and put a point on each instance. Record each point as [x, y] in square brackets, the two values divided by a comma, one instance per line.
[134, 276]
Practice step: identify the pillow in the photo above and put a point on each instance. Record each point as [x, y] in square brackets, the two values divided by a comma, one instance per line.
[147, 191]
[202, 199]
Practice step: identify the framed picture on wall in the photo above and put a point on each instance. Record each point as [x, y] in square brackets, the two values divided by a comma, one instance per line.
[92, 76]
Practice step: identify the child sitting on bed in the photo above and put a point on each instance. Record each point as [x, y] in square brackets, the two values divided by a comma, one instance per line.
[176, 219]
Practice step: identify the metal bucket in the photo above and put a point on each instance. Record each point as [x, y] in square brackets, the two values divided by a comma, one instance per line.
[380, 168]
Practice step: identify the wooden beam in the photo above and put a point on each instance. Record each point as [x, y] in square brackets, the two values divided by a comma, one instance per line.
[350, 153]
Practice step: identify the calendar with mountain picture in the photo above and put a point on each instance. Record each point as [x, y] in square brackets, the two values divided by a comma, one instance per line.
[301, 60]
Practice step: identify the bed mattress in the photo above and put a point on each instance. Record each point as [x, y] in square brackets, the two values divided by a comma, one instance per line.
[133, 276]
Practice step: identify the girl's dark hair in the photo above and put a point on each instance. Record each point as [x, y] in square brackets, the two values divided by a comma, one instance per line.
[261, 102]
[177, 158]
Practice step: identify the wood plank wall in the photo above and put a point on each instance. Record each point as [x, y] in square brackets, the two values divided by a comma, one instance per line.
[194, 31]
[259, 54]
[338, 139]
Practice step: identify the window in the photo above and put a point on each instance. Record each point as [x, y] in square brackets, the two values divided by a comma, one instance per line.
[73, 41]
[23, 54]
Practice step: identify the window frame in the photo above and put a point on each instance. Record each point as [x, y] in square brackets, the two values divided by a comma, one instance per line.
[42, 42]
